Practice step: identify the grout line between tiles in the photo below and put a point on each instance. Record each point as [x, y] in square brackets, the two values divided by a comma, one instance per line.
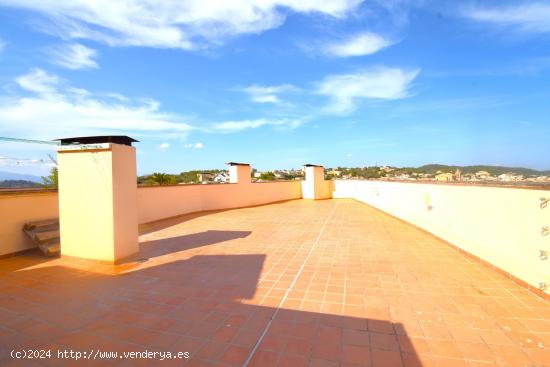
[268, 326]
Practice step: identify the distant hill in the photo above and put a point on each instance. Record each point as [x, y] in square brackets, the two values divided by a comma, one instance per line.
[17, 183]
[19, 176]
[493, 170]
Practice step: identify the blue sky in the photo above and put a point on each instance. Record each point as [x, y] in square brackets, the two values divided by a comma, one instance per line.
[280, 83]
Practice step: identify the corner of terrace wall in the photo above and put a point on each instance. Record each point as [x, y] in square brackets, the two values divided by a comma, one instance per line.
[315, 187]
[240, 173]
[503, 227]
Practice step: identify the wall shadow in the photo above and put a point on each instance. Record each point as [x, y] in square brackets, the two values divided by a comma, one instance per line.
[169, 245]
[202, 305]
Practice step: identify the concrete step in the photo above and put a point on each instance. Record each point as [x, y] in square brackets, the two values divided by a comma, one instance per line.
[45, 234]
[50, 249]
[42, 224]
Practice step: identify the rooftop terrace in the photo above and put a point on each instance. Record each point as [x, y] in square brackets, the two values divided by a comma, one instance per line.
[299, 283]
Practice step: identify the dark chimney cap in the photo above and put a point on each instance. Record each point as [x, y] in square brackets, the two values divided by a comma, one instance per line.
[312, 165]
[117, 139]
[238, 164]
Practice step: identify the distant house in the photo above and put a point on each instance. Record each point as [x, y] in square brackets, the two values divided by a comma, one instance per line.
[403, 176]
[508, 177]
[205, 177]
[483, 175]
[444, 177]
[222, 177]
[218, 177]
[469, 177]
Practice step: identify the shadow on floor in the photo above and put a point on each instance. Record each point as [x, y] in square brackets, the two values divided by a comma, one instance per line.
[165, 246]
[200, 305]
[157, 225]
[145, 228]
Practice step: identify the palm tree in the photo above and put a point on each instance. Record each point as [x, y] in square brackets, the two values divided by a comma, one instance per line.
[161, 178]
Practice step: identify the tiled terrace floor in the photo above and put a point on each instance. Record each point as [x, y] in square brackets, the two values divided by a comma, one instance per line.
[344, 284]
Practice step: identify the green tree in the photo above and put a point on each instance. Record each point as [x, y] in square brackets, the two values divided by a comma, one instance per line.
[267, 176]
[52, 180]
[162, 179]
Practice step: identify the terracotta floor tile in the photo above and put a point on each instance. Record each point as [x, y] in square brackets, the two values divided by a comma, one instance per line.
[368, 285]
[466, 335]
[356, 337]
[439, 361]
[381, 326]
[327, 351]
[264, 358]
[235, 355]
[511, 356]
[476, 352]
[416, 360]
[437, 332]
[384, 341]
[413, 345]
[356, 355]
[539, 356]
[495, 337]
[445, 348]
[292, 360]
[298, 346]
[212, 350]
[314, 362]
[386, 358]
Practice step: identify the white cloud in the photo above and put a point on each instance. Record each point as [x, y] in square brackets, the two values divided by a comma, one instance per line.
[51, 108]
[74, 56]
[528, 17]
[267, 94]
[164, 146]
[380, 83]
[240, 125]
[197, 145]
[358, 45]
[187, 24]
[2, 45]
[39, 82]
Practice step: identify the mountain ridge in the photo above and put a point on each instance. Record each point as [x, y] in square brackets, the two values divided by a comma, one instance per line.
[5, 176]
[493, 170]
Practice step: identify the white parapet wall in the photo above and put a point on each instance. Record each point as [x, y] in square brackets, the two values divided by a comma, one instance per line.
[501, 225]
[159, 202]
[18, 207]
